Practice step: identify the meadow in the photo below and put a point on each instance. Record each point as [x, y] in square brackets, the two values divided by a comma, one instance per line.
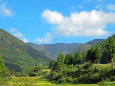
[36, 81]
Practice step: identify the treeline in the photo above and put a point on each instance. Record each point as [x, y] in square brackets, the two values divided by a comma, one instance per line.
[85, 67]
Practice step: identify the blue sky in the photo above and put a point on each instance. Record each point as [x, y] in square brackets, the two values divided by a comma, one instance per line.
[58, 21]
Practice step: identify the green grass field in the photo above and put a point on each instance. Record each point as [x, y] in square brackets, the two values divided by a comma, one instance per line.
[36, 81]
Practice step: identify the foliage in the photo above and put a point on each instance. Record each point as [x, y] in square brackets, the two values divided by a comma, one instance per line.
[105, 83]
[68, 59]
[51, 63]
[17, 55]
[88, 45]
[77, 58]
[8, 73]
[2, 67]
[60, 61]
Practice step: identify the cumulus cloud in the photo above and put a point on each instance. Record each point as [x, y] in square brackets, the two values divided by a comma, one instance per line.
[4, 10]
[111, 7]
[47, 38]
[85, 23]
[19, 35]
[25, 40]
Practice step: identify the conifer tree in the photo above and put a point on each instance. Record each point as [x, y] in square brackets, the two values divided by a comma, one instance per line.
[60, 61]
[2, 67]
[111, 49]
[97, 55]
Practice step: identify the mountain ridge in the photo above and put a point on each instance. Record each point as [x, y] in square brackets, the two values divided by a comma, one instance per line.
[53, 49]
[17, 54]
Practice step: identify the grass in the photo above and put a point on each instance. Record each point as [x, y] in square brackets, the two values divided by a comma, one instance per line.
[37, 81]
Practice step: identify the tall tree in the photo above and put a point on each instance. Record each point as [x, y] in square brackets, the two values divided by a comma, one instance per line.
[51, 63]
[60, 61]
[91, 54]
[97, 54]
[2, 67]
[111, 49]
[77, 58]
[68, 59]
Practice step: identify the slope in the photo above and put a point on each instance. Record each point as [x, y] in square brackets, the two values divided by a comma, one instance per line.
[18, 55]
[52, 50]
[88, 45]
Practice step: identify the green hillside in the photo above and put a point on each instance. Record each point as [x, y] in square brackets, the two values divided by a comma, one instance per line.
[17, 54]
[52, 50]
[88, 45]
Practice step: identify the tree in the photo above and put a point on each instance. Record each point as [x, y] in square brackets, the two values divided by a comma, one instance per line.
[51, 63]
[97, 55]
[60, 61]
[77, 58]
[68, 59]
[2, 67]
[8, 73]
[23, 73]
[111, 49]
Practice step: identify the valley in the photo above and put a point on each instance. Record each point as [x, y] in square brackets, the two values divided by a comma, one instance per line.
[77, 64]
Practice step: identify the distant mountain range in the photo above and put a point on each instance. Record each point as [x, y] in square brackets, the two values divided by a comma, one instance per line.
[52, 50]
[17, 54]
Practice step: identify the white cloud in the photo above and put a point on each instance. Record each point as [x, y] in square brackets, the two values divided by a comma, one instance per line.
[19, 35]
[25, 40]
[5, 11]
[47, 38]
[85, 23]
[13, 30]
[111, 7]
[53, 17]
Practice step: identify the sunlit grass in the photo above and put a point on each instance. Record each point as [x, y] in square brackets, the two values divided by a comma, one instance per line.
[38, 81]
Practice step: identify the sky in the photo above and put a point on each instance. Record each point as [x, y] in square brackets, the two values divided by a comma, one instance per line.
[58, 21]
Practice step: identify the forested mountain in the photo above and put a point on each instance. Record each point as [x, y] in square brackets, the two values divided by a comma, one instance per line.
[87, 46]
[52, 50]
[17, 54]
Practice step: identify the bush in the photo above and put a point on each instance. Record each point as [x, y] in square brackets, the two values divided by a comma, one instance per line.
[105, 83]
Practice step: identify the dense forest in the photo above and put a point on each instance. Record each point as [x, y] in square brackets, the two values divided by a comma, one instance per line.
[96, 65]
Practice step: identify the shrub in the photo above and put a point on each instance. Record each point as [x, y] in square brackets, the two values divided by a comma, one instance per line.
[105, 83]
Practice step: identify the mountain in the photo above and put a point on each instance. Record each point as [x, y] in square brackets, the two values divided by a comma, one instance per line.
[52, 50]
[41, 49]
[87, 46]
[18, 55]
